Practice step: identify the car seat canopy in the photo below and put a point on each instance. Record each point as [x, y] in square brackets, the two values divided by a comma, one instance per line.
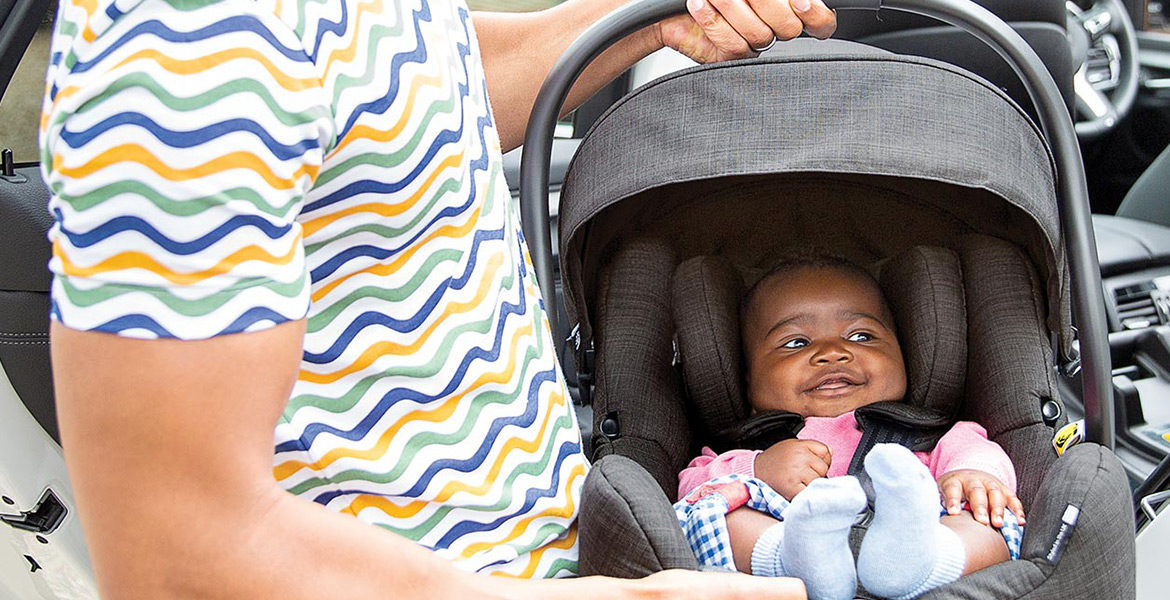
[851, 150]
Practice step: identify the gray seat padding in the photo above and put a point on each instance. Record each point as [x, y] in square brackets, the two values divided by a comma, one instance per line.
[971, 321]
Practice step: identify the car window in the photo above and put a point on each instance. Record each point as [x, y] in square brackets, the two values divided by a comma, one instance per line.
[20, 109]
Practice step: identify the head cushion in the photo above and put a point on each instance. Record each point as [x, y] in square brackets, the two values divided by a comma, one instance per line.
[923, 286]
[706, 293]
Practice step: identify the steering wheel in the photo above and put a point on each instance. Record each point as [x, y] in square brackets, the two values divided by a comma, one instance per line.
[1104, 44]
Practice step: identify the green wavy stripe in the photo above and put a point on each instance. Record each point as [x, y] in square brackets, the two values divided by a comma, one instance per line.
[426, 370]
[547, 533]
[204, 99]
[562, 564]
[187, 307]
[179, 208]
[428, 439]
[323, 318]
[377, 33]
[301, 10]
[396, 158]
[533, 469]
[449, 184]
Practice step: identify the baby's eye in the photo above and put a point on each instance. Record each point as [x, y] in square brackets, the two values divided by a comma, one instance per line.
[795, 343]
[860, 336]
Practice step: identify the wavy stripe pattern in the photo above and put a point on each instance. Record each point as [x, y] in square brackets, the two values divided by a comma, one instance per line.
[223, 170]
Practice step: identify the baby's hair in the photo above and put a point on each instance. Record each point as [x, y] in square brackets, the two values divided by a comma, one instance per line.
[809, 259]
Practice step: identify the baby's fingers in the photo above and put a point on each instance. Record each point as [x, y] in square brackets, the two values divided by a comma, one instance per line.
[977, 500]
[952, 492]
[1017, 507]
[997, 502]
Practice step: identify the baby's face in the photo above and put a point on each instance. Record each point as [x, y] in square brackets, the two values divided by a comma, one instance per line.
[819, 342]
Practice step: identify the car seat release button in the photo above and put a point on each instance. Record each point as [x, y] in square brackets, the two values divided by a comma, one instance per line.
[610, 427]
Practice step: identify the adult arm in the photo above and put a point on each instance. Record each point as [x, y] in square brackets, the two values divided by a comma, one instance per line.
[519, 49]
[170, 455]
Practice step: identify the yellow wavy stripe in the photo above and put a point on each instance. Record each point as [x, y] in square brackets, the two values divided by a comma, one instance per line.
[347, 54]
[453, 487]
[205, 63]
[436, 415]
[191, 66]
[134, 153]
[140, 260]
[513, 445]
[90, 7]
[451, 231]
[382, 208]
[535, 556]
[378, 134]
[566, 511]
[381, 349]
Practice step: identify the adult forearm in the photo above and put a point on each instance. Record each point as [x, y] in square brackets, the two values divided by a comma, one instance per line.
[519, 50]
[287, 547]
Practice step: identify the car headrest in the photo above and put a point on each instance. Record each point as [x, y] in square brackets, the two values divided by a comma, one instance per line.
[923, 286]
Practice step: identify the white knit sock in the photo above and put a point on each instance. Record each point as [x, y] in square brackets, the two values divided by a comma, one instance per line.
[906, 551]
[816, 537]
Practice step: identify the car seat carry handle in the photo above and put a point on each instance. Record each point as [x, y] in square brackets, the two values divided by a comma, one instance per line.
[1056, 123]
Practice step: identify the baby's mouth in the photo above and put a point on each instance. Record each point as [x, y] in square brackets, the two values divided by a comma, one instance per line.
[834, 382]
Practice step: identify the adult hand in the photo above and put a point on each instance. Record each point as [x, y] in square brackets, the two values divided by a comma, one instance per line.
[679, 584]
[985, 494]
[718, 30]
[789, 466]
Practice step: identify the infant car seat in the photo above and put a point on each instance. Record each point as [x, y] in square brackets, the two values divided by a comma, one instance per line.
[689, 188]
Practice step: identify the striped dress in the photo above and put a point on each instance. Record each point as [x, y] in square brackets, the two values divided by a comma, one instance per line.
[226, 166]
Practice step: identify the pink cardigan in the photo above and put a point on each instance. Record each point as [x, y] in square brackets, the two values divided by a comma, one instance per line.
[965, 446]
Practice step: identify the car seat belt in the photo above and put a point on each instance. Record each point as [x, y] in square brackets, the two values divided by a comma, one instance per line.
[878, 431]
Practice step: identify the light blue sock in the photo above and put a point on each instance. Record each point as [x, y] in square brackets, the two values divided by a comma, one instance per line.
[813, 541]
[906, 551]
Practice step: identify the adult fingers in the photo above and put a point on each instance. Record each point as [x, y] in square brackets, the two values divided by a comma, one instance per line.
[977, 500]
[779, 17]
[818, 20]
[716, 29]
[685, 585]
[952, 492]
[747, 23]
[996, 503]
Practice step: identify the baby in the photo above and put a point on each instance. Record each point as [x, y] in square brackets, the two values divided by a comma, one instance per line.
[819, 341]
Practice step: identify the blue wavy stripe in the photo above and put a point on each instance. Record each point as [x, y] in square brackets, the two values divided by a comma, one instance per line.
[242, 23]
[337, 28]
[368, 186]
[335, 262]
[399, 394]
[469, 464]
[251, 317]
[134, 321]
[418, 55]
[192, 138]
[371, 318]
[120, 224]
[531, 496]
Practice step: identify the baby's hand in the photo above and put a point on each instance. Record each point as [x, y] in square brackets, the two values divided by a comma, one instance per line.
[789, 466]
[980, 490]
